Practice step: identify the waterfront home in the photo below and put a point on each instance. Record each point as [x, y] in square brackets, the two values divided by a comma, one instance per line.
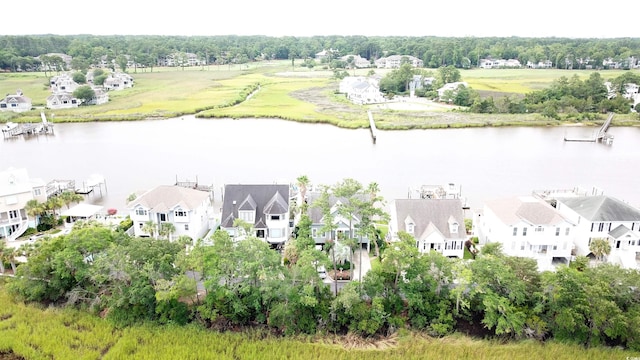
[436, 224]
[15, 102]
[361, 90]
[264, 207]
[188, 210]
[608, 218]
[100, 97]
[499, 63]
[62, 101]
[16, 189]
[448, 91]
[527, 226]
[394, 61]
[63, 83]
[344, 227]
[326, 55]
[118, 81]
[356, 61]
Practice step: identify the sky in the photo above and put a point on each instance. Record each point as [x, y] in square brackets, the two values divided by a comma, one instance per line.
[501, 18]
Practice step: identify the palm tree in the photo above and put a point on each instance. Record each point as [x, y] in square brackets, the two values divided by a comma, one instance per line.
[54, 203]
[166, 230]
[149, 227]
[373, 190]
[34, 209]
[69, 197]
[600, 248]
[303, 183]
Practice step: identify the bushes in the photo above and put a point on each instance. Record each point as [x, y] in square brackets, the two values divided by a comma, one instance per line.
[125, 224]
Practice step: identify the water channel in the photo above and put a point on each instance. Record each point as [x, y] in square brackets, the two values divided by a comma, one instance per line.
[485, 162]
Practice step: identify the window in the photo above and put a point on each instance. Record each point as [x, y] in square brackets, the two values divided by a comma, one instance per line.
[513, 245]
[275, 217]
[522, 245]
[163, 217]
[314, 233]
[557, 231]
[140, 225]
[180, 213]
[601, 227]
[141, 212]
[13, 214]
[186, 227]
[566, 232]
[410, 227]
[539, 229]
[38, 192]
[524, 231]
[555, 247]
[515, 231]
[248, 216]
[276, 233]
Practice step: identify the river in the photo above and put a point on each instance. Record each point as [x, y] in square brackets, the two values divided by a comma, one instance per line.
[485, 162]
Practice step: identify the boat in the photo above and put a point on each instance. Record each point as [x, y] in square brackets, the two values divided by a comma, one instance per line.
[10, 126]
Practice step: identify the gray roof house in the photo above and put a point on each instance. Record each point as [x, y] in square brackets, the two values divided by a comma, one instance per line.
[266, 207]
[436, 224]
[344, 227]
[15, 102]
[608, 218]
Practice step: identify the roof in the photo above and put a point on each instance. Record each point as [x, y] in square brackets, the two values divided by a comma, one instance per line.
[82, 210]
[315, 213]
[601, 208]
[525, 208]
[619, 231]
[430, 215]
[263, 198]
[17, 181]
[165, 197]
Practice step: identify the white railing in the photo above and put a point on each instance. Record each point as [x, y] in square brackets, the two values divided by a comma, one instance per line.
[19, 231]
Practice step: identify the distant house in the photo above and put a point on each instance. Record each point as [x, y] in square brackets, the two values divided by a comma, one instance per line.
[180, 59]
[358, 61]
[118, 81]
[326, 55]
[394, 61]
[608, 218]
[450, 88]
[526, 226]
[344, 227]
[547, 64]
[499, 63]
[62, 101]
[63, 83]
[15, 102]
[100, 97]
[361, 90]
[436, 224]
[16, 189]
[189, 210]
[265, 207]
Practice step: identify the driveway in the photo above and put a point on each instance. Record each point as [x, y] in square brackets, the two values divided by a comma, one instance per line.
[361, 268]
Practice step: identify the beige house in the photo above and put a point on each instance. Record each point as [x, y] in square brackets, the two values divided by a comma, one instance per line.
[16, 189]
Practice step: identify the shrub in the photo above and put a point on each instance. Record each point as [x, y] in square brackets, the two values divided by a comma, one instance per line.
[125, 224]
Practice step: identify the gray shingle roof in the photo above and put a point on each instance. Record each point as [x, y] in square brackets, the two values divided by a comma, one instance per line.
[268, 199]
[430, 215]
[527, 208]
[619, 231]
[602, 208]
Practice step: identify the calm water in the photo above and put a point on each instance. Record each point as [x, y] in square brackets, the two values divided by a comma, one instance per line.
[486, 162]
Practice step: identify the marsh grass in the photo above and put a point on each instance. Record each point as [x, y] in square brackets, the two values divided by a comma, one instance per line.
[35, 332]
[278, 91]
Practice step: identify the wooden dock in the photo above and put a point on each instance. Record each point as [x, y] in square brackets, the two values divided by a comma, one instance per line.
[10, 129]
[599, 136]
[372, 127]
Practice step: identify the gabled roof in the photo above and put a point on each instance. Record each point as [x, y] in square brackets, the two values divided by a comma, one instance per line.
[430, 229]
[524, 208]
[268, 199]
[601, 208]
[248, 204]
[619, 231]
[430, 215]
[167, 197]
[315, 213]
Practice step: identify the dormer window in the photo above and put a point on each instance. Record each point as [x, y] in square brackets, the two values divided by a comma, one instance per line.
[453, 225]
[141, 212]
[410, 228]
[180, 213]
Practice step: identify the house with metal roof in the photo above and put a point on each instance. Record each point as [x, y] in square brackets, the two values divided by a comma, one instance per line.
[189, 210]
[608, 218]
[527, 226]
[265, 207]
[436, 224]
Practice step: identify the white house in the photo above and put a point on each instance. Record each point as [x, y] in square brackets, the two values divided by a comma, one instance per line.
[361, 90]
[118, 81]
[449, 88]
[100, 97]
[608, 218]
[16, 189]
[394, 61]
[499, 63]
[63, 83]
[358, 61]
[62, 101]
[15, 102]
[265, 207]
[189, 210]
[527, 227]
[436, 224]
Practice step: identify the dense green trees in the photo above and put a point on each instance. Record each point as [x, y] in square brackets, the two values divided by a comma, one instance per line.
[224, 283]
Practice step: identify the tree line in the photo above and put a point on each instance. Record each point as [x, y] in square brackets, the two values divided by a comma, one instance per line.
[225, 283]
[18, 52]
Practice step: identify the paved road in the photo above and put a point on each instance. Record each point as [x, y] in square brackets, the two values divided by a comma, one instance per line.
[361, 268]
